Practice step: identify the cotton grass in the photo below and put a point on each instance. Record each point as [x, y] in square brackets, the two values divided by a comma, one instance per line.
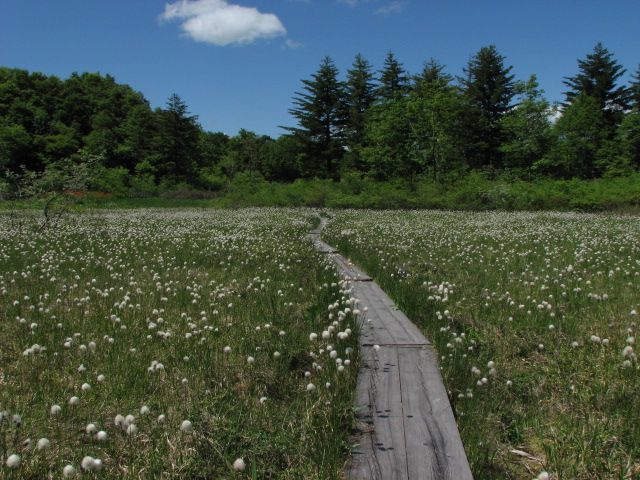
[216, 288]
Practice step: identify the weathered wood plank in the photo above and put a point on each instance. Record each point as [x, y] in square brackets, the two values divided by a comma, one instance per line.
[381, 453]
[387, 326]
[432, 437]
[349, 270]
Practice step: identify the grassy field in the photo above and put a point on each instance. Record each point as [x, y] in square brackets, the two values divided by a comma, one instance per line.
[172, 344]
[534, 317]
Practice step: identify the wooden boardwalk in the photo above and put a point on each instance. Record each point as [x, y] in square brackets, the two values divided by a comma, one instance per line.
[406, 427]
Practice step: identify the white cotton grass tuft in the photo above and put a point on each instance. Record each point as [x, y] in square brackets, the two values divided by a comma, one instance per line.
[74, 401]
[239, 464]
[13, 461]
[132, 429]
[186, 426]
[144, 410]
[55, 409]
[43, 444]
[16, 420]
[87, 463]
[102, 435]
[69, 471]
[162, 418]
[311, 387]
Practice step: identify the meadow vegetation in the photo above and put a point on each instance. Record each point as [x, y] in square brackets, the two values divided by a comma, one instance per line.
[201, 343]
[172, 344]
[534, 318]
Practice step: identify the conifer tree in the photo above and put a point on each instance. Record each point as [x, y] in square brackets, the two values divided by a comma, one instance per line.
[598, 77]
[489, 89]
[432, 73]
[393, 79]
[321, 115]
[635, 89]
[628, 134]
[178, 137]
[359, 98]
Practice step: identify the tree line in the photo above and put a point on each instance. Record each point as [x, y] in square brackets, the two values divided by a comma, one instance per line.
[384, 125]
[394, 124]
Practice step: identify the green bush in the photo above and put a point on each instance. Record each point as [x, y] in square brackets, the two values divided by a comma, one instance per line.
[110, 180]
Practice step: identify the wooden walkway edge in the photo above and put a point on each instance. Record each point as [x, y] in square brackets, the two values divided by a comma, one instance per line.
[406, 427]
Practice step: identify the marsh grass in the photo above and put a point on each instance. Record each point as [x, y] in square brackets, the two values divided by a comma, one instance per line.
[534, 319]
[149, 299]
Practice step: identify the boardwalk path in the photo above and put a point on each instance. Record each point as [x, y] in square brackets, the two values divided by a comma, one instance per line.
[406, 426]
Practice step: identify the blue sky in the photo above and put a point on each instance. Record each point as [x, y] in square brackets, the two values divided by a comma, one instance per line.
[238, 63]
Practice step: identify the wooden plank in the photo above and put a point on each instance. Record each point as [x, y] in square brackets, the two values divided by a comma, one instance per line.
[324, 248]
[349, 270]
[389, 326]
[381, 453]
[432, 437]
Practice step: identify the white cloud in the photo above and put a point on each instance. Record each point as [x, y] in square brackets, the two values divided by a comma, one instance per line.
[221, 23]
[393, 7]
[354, 3]
[290, 44]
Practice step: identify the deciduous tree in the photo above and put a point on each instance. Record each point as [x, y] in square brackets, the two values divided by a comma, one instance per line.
[526, 127]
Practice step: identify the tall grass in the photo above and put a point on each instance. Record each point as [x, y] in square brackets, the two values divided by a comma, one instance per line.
[534, 317]
[195, 323]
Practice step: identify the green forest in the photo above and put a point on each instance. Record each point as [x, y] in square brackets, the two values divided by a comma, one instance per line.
[366, 138]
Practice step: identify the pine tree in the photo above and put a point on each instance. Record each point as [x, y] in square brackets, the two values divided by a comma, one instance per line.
[178, 141]
[598, 78]
[359, 97]
[635, 89]
[393, 79]
[489, 89]
[321, 115]
[628, 134]
[432, 74]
